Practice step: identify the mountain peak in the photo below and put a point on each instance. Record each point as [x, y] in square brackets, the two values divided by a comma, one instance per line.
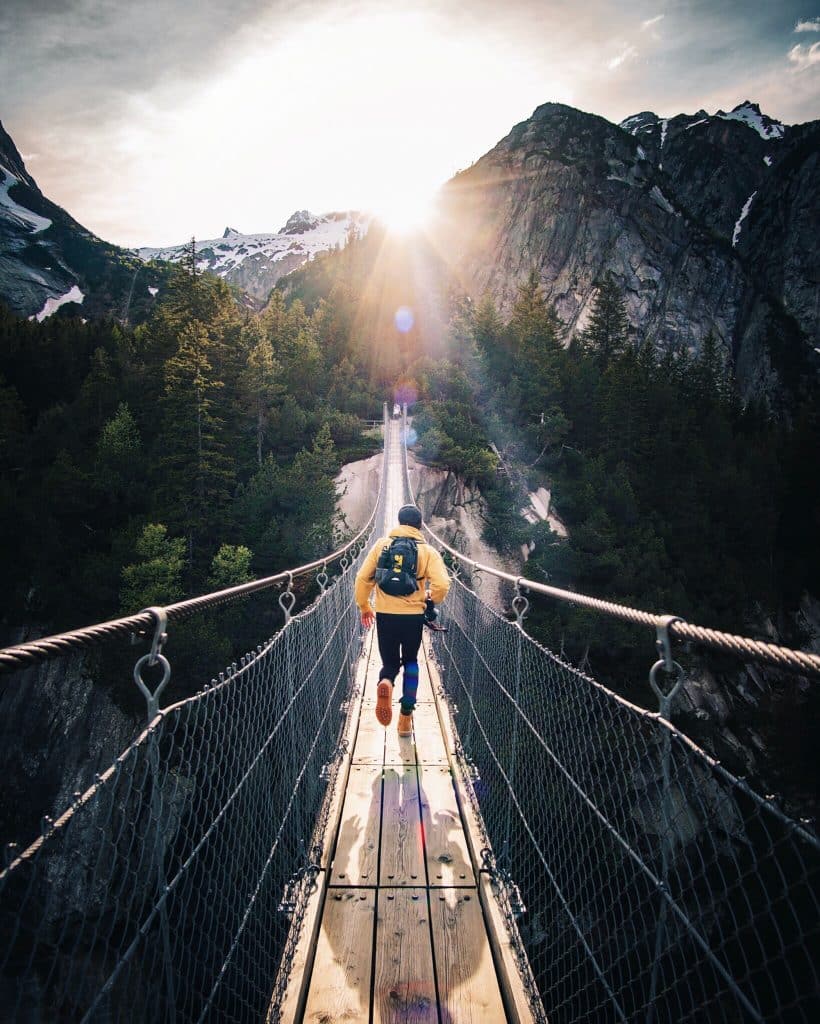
[749, 113]
[13, 162]
[638, 122]
[300, 222]
[228, 232]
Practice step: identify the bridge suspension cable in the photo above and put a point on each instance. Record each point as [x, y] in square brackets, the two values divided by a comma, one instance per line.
[145, 622]
[171, 889]
[640, 879]
[678, 629]
[643, 880]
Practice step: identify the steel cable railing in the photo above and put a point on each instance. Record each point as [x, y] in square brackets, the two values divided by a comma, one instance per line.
[36, 651]
[645, 881]
[678, 629]
[172, 889]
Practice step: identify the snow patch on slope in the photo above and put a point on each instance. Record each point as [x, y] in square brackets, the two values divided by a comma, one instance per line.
[749, 114]
[743, 214]
[24, 217]
[661, 199]
[303, 235]
[53, 304]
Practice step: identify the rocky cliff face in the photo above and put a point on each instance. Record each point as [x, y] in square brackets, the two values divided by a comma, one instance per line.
[48, 260]
[657, 204]
[754, 182]
[58, 728]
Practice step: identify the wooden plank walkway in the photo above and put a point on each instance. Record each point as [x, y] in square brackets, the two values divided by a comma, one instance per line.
[402, 935]
[403, 925]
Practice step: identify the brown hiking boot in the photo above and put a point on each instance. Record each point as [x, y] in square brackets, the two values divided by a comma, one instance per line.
[405, 725]
[384, 698]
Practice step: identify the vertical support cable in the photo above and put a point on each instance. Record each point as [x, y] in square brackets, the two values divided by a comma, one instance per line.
[156, 657]
[473, 661]
[668, 665]
[162, 881]
[505, 850]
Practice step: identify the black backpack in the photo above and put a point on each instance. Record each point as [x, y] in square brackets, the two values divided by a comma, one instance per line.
[396, 568]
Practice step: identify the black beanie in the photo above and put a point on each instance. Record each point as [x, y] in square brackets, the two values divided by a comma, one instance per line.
[409, 515]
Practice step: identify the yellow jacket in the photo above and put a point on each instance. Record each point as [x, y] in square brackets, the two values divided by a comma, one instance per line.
[429, 568]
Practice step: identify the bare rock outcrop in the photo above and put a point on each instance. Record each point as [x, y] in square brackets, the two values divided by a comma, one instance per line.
[575, 197]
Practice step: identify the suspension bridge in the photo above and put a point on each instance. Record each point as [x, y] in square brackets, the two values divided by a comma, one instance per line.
[538, 850]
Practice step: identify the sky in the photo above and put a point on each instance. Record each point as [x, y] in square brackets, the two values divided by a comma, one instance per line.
[156, 120]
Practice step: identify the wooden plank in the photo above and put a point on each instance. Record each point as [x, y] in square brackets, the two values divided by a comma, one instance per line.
[402, 853]
[398, 749]
[293, 1002]
[425, 690]
[514, 992]
[448, 858]
[299, 968]
[405, 989]
[467, 983]
[337, 798]
[430, 746]
[355, 861]
[369, 746]
[340, 984]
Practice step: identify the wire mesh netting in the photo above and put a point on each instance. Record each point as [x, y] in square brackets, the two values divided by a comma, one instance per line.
[168, 891]
[648, 883]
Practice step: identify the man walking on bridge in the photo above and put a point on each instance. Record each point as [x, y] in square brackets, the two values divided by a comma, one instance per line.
[399, 568]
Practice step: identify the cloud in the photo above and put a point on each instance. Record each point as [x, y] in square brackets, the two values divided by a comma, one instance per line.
[651, 21]
[627, 53]
[804, 56]
[808, 26]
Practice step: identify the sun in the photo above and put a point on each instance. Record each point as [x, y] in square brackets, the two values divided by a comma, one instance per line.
[406, 212]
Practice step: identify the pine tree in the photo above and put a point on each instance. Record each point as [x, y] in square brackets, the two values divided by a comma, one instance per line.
[118, 452]
[260, 384]
[156, 577]
[607, 332]
[535, 328]
[535, 332]
[190, 257]
[197, 470]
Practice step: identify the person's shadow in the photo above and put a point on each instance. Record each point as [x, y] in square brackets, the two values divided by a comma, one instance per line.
[400, 975]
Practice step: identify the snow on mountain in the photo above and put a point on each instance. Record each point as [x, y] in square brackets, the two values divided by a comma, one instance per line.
[53, 304]
[743, 215]
[749, 113]
[48, 261]
[24, 218]
[643, 122]
[256, 262]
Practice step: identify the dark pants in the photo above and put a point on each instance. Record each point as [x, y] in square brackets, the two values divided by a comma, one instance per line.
[399, 642]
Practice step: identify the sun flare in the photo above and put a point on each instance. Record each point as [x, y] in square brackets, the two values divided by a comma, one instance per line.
[406, 212]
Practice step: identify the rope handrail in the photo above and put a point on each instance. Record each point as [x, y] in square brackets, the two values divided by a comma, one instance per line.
[759, 650]
[33, 652]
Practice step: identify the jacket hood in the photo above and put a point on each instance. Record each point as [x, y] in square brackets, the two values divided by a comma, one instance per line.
[407, 531]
